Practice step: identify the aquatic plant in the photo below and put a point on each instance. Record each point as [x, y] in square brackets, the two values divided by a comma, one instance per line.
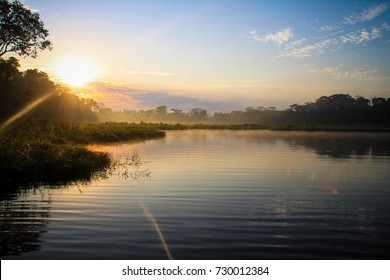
[125, 168]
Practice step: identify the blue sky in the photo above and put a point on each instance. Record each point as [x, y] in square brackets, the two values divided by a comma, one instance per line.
[224, 55]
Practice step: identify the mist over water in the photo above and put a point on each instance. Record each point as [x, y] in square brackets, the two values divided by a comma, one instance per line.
[217, 195]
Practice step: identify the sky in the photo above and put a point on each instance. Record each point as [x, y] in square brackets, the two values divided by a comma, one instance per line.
[219, 55]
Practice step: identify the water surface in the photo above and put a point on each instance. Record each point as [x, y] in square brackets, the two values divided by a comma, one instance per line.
[216, 195]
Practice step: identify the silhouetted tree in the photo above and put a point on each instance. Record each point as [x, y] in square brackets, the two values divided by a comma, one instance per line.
[177, 115]
[12, 91]
[381, 109]
[161, 110]
[18, 89]
[21, 31]
[198, 114]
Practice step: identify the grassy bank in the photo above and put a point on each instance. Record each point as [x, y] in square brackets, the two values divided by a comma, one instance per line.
[276, 127]
[56, 154]
[117, 132]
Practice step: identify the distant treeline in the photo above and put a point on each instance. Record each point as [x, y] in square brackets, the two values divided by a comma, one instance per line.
[337, 109]
[54, 103]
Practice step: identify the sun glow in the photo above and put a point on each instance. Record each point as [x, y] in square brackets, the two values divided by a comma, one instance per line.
[76, 72]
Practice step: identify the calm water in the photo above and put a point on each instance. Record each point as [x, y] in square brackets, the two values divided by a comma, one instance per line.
[216, 195]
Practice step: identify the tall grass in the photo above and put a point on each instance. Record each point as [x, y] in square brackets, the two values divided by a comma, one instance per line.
[56, 154]
[114, 132]
[28, 159]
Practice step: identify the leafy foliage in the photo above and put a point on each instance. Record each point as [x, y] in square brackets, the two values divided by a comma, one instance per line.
[19, 89]
[21, 31]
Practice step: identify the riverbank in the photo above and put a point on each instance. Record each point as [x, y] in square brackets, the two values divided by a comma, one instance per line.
[274, 127]
[56, 154]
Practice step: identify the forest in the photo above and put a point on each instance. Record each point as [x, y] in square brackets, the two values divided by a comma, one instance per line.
[335, 110]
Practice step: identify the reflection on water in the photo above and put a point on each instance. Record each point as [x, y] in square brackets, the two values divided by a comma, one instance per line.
[24, 217]
[216, 195]
[332, 144]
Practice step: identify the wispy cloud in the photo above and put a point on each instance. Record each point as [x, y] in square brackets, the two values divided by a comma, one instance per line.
[303, 47]
[298, 49]
[362, 36]
[327, 28]
[364, 15]
[136, 72]
[356, 73]
[279, 37]
[307, 50]
[295, 43]
[238, 83]
[367, 14]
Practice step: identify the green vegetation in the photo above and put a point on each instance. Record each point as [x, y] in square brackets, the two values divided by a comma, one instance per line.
[31, 157]
[22, 31]
[292, 127]
[55, 154]
[275, 127]
[115, 132]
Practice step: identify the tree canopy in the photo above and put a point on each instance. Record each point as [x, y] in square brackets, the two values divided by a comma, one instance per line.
[20, 89]
[21, 31]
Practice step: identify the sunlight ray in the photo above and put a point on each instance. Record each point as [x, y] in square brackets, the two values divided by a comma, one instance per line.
[26, 109]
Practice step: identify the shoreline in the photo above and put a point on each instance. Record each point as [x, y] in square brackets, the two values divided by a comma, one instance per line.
[272, 127]
[58, 154]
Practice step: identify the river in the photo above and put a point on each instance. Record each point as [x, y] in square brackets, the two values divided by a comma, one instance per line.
[204, 194]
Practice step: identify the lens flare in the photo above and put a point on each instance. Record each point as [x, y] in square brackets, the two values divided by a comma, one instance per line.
[151, 220]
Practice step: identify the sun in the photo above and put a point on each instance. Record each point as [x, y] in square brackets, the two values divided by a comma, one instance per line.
[76, 72]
